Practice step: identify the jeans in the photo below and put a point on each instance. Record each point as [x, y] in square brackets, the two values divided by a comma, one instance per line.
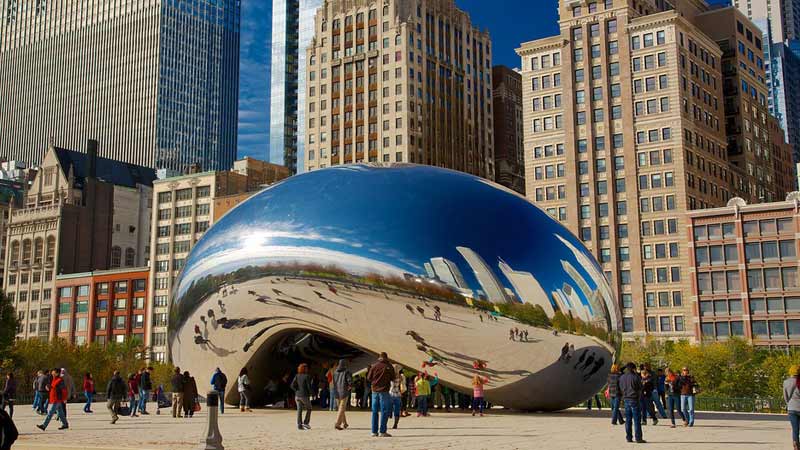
[673, 403]
[659, 406]
[381, 402]
[687, 406]
[244, 401]
[422, 405]
[646, 405]
[477, 404]
[89, 397]
[134, 404]
[44, 403]
[56, 408]
[633, 419]
[143, 394]
[397, 405]
[37, 398]
[331, 398]
[616, 415]
[794, 418]
[221, 401]
[303, 403]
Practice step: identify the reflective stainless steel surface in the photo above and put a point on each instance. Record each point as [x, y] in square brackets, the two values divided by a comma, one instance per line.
[434, 267]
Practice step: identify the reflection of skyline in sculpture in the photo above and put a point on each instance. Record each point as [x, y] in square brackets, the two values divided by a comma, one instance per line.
[358, 276]
[492, 287]
[527, 288]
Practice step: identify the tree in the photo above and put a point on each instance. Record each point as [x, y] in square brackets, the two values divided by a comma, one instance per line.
[8, 324]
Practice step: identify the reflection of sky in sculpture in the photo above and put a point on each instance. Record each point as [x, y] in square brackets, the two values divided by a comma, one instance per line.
[390, 221]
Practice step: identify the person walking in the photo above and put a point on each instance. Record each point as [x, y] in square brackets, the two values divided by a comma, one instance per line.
[301, 385]
[70, 385]
[88, 391]
[133, 394]
[630, 385]
[115, 393]
[423, 387]
[661, 391]
[9, 394]
[379, 378]
[478, 383]
[145, 386]
[673, 389]
[791, 395]
[614, 395]
[219, 382]
[648, 387]
[243, 386]
[189, 394]
[44, 392]
[688, 391]
[396, 391]
[58, 395]
[37, 394]
[176, 383]
[342, 385]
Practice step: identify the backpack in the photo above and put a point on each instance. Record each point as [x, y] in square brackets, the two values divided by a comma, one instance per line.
[8, 431]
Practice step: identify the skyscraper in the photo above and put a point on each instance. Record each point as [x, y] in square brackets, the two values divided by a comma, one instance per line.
[292, 32]
[527, 288]
[492, 287]
[783, 16]
[156, 81]
[634, 115]
[447, 271]
[399, 81]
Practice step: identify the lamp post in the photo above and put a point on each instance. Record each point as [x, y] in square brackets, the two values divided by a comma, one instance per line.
[213, 437]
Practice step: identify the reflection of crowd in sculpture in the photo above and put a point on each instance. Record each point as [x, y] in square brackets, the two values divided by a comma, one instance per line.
[586, 361]
[515, 334]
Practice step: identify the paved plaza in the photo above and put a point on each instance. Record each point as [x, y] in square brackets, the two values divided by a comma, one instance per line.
[275, 429]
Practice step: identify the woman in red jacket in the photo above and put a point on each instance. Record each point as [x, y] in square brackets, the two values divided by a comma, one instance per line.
[58, 398]
[88, 391]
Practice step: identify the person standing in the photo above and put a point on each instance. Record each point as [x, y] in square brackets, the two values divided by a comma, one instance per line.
[189, 394]
[44, 391]
[37, 394]
[115, 393]
[301, 385]
[342, 384]
[176, 383]
[58, 395]
[332, 400]
[133, 394]
[396, 391]
[478, 383]
[630, 385]
[219, 382]
[614, 395]
[9, 394]
[243, 386]
[423, 387]
[88, 391]
[791, 395]
[367, 390]
[688, 391]
[672, 385]
[661, 390]
[145, 386]
[379, 378]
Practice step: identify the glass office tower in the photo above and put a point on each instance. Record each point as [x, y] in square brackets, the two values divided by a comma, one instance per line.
[292, 32]
[155, 81]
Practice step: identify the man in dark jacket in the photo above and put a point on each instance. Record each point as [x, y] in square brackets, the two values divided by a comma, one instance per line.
[219, 381]
[176, 383]
[8, 431]
[116, 393]
[630, 386]
[342, 383]
[380, 377]
[145, 386]
[42, 384]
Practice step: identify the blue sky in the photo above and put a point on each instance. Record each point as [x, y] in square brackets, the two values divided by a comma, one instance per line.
[507, 32]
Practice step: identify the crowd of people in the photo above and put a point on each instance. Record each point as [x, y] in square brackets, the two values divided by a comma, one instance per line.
[640, 392]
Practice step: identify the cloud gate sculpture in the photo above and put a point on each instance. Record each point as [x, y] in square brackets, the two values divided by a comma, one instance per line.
[446, 272]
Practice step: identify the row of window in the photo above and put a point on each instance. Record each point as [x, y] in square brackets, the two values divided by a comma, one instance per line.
[551, 193]
[762, 329]
[183, 228]
[654, 275]
[177, 247]
[23, 296]
[177, 264]
[82, 306]
[656, 324]
[663, 299]
[659, 227]
[120, 287]
[201, 209]
[184, 194]
[101, 323]
[37, 247]
[24, 277]
[604, 232]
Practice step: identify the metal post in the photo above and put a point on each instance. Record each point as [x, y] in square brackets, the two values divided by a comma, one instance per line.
[213, 437]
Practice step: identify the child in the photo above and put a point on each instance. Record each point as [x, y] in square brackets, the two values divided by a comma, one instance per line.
[477, 393]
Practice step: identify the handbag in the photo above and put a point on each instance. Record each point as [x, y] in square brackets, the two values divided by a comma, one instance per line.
[124, 409]
[607, 394]
[196, 407]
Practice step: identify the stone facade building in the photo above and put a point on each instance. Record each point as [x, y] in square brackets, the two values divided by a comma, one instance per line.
[625, 130]
[509, 167]
[399, 81]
